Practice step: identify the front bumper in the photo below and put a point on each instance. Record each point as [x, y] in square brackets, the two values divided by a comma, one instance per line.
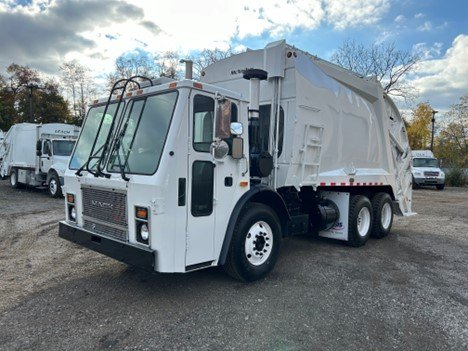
[429, 181]
[130, 254]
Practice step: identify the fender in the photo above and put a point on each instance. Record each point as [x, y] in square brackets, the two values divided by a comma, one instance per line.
[57, 168]
[256, 192]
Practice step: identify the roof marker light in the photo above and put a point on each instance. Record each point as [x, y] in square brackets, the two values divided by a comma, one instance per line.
[198, 85]
[172, 85]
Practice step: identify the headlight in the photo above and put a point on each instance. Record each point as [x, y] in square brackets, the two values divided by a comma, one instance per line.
[442, 174]
[144, 232]
[73, 213]
[417, 173]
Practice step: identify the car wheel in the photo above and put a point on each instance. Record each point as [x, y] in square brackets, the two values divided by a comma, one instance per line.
[255, 243]
[55, 190]
[359, 220]
[382, 210]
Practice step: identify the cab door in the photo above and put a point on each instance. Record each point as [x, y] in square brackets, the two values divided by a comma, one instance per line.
[201, 171]
[46, 157]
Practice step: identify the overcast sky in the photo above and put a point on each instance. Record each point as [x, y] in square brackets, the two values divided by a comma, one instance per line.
[44, 33]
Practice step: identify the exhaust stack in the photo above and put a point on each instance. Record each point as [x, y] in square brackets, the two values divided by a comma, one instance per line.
[188, 68]
[261, 162]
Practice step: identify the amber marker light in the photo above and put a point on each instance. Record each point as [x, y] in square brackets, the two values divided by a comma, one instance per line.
[172, 85]
[141, 213]
[198, 85]
[244, 183]
[139, 92]
[71, 198]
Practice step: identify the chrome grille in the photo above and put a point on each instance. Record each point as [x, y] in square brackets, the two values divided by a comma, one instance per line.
[431, 174]
[105, 212]
[106, 230]
[105, 205]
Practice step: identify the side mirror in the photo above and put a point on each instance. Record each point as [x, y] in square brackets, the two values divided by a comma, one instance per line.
[219, 149]
[38, 148]
[237, 148]
[237, 128]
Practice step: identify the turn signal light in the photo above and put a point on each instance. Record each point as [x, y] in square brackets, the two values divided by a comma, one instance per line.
[141, 213]
[71, 198]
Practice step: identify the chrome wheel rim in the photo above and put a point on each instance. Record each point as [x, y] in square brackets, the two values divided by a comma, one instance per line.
[363, 221]
[386, 215]
[259, 243]
[53, 186]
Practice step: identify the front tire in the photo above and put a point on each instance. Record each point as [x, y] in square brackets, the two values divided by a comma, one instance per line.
[359, 220]
[382, 210]
[440, 186]
[255, 243]
[55, 190]
[14, 179]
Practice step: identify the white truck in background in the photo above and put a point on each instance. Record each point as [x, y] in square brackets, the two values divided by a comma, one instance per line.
[37, 154]
[183, 175]
[426, 170]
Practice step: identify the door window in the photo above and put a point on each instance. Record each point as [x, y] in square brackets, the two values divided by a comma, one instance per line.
[203, 114]
[202, 188]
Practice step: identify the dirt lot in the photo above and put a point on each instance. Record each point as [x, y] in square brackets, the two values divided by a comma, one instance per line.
[407, 291]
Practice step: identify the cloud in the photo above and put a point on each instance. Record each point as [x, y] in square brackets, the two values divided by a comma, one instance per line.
[419, 15]
[400, 19]
[426, 52]
[425, 27]
[342, 14]
[442, 81]
[40, 37]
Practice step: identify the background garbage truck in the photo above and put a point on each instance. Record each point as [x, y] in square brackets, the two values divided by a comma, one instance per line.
[426, 170]
[37, 154]
[183, 175]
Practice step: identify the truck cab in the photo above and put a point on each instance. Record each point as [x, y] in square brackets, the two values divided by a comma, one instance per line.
[425, 170]
[146, 172]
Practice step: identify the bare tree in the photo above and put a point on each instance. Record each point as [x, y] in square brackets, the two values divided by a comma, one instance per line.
[79, 85]
[168, 63]
[208, 56]
[384, 61]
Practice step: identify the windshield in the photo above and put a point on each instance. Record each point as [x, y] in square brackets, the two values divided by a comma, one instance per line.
[88, 135]
[143, 134]
[63, 147]
[425, 162]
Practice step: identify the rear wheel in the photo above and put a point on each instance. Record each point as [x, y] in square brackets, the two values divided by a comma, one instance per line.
[14, 179]
[255, 243]
[382, 210]
[55, 190]
[359, 220]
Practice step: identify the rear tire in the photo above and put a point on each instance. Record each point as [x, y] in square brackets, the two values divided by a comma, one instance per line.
[382, 210]
[440, 186]
[359, 220]
[14, 179]
[255, 243]
[55, 190]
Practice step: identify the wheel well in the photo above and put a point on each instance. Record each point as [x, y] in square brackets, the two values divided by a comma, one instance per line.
[261, 194]
[368, 191]
[276, 203]
[50, 174]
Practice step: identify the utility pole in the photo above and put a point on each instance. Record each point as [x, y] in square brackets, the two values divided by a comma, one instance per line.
[432, 135]
[31, 87]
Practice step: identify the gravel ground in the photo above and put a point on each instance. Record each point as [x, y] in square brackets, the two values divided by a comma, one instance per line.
[407, 291]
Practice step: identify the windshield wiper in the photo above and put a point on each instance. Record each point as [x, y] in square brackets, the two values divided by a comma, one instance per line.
[116, 150]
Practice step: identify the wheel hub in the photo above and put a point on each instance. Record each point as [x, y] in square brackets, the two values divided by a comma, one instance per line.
[258, 243]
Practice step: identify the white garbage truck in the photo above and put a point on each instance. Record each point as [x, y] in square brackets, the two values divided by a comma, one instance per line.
[37, 154]
[426, 170]
[183, 175]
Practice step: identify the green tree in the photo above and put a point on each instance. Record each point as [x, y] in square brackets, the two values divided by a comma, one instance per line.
[419, 128]
[452, 141]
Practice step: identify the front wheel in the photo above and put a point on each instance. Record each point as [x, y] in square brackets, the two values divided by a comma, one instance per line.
[14, 179]
[359, 220]
[55, 190]
[255, 243]
[440, 186]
